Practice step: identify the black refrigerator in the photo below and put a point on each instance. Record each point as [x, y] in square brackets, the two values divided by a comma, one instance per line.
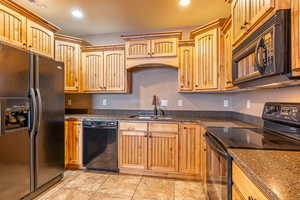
[31, 123]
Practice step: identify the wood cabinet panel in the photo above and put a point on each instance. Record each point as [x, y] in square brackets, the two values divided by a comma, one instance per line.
[240, 16]
[133, 126]
[246, 187]
[228, 57]
[163, 152]
[164, 47]
[190, 149]
[12, 27]
[296, 37]
[39, 39]
[186, 68]
[163, 127]
[138, 49]
[258, 8]
[93, 72]
[207, 64]
[132, 149]
[114, 63]
[236, 194]
[69, 53]
[73, 144]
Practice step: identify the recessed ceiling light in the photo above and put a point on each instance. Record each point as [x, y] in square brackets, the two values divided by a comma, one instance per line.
[77, 13]
[184, 2]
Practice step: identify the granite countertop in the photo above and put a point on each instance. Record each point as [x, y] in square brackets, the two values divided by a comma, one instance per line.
[206, 122]
[277, 173]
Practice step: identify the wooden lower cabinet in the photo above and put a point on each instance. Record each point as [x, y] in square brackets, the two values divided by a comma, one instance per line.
[132, 149]
[295, 37]
[73, 144]
[164, 149]
[163, 152]
[190, 149]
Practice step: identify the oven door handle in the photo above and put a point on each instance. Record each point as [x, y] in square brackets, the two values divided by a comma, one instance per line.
[215, 146]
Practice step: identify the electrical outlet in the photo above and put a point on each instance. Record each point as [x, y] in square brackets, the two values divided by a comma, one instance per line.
[69, 102]
[164, 103]
[180, 103]
[248, 104]
[104, 102]
[226, 103]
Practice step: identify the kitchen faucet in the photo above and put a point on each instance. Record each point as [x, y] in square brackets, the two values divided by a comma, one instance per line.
[155, 103]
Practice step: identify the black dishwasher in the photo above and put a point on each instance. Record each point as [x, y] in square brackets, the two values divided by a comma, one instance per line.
[100, 146]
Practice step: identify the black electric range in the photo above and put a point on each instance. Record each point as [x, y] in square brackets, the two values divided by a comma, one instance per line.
[281, 131]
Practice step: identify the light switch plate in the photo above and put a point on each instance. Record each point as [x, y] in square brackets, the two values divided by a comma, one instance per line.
[226, 103]
[164, 103]
[104, 102]
[180, 103]
[248, 104]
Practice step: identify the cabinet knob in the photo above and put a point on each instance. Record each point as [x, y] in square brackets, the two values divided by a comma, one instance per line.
[30, 46]
[243, 27]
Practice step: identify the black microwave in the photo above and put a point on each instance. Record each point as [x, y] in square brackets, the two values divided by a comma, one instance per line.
[265, 56]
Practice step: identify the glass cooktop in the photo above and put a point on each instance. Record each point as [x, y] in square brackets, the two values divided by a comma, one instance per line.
[249, 138]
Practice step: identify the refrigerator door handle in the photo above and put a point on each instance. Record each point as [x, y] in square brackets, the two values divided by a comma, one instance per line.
[32, 139]
[40, 108]
[2, 117]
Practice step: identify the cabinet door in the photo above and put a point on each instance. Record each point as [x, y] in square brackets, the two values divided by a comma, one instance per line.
[73, 144]
[12, 27]
[207, 64]
[240, 18]
[164, 47]
[132, 149]
[93, 72]
[186, 68]
[228, 58]
[69, 53]
[39, 39]
[203, 159]
[138, 49]
[163, 151]
[114, 64]
[190, 149]
[258, 8]
[296, 37]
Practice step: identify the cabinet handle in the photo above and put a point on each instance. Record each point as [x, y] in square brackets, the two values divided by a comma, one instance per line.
[243, 27]
[251, 198]
[184, 128]
[30, 46]
[196, 85]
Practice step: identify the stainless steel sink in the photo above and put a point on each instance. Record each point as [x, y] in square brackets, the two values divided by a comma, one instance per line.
[150, 117]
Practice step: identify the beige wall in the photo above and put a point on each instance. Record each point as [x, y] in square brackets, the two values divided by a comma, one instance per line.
[146, 83]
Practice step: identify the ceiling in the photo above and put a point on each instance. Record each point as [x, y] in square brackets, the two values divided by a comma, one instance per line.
[109, 16]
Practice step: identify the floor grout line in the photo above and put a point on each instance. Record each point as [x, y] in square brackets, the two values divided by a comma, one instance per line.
[137, 187]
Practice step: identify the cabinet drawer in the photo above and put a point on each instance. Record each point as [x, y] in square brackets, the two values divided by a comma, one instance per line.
[247, 188]
[133, 126]
[163, 127]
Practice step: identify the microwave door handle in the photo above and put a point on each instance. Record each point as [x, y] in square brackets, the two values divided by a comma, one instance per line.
[260, 44]
[216, 147]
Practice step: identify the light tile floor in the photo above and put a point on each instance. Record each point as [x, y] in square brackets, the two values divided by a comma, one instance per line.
[83, 185]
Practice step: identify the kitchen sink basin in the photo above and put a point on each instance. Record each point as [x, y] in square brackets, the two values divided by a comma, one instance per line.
[150, 117]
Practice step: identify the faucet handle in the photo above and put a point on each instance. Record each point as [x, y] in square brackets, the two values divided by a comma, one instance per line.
[155, 100]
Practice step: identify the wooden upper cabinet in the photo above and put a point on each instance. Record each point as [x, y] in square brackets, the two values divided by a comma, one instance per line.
[190, 149]
[69, 53]
[240, 17]
[164, 47]
[39, 39]
[259, 8]
[73, 144]
[93, 72]
[114, 63]
[186, 65]
[207, 63]
[296, 37]
[138, 49]
[227, 53]
[12, 27]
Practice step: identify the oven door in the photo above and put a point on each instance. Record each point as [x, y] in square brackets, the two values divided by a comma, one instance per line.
[218, 169]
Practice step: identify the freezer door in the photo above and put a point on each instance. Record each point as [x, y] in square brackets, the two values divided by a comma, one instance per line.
[14, 68]
[49, 85]
[14, 165]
